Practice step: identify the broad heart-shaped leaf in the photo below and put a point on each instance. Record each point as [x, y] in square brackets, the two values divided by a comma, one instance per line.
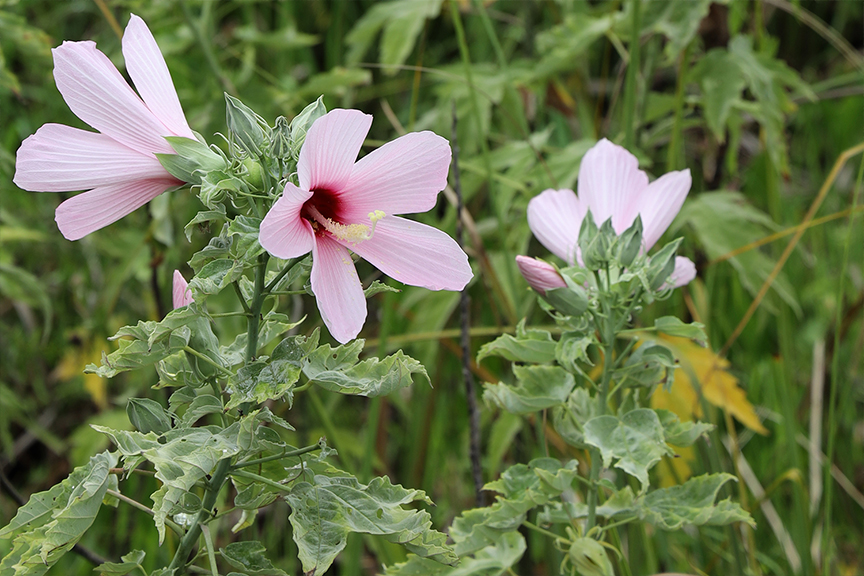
[130, 562]
[188, 455]
[535, 346]
[250, 558]
[681, 433]
[325, 511]
[493, 560]
[214, 277]
[692, 503]
[636, 440]
[339, 370]
[269, 378]
[55, 520]
[538, 388]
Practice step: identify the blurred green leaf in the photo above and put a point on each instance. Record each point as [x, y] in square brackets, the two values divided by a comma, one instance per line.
[538, 388]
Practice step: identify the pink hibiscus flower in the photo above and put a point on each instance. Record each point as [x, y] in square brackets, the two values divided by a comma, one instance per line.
[611, 186]
[181, 295]
[344, 205]
[117, 165]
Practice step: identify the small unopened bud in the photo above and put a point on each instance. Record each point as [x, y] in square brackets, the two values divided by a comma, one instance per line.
[630, 243]
[540, 275]
[182, 296]
[245, 125]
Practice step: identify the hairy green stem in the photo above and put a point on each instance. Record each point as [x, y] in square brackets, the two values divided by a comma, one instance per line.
[211, 553]
[207, 359]
[275, 281]
[536, 528]
[608, 351]
[255, 308]
[135, 504]
[291, 454]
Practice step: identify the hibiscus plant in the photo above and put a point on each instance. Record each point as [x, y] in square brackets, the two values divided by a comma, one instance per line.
[276, 193]
[594, 381]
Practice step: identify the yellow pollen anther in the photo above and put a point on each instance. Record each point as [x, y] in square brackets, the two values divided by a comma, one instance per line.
[352, 233]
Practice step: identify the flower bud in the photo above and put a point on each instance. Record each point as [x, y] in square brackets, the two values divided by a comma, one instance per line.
[540, 275]
[630, 243]
[181, 293]
[245, 125]
[595, 243]
[589, 557]
[662, 265]
[148, 416]
[303, 121]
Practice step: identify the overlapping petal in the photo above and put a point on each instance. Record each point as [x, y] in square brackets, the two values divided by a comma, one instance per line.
[97, 93]
[660, 203]
[555, 217]
[284, 233]
[90, 211]
[416, 254]
[331, 148]
[337, 289]
[148, 70]
[611, 184]
[60, 158]
[401, 177]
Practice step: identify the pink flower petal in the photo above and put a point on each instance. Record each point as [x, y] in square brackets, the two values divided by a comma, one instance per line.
[610, 184]
[555, 217]
[60, 158]
[284, 233]
[401, 177]
[90, 211]
[148, 70]
[337, 289]
[684, 273]
[181, 294]
[97, 93]
[660, 203]
[539, 275]
[416, 254]
[330, 149]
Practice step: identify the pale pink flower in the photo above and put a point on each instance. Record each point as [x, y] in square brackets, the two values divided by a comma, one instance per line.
[182, 296]
[611, 186]
[117, 165]
[341, 205]
[541, 276]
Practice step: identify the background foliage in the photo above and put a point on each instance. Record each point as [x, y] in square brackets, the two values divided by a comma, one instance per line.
[758, 99]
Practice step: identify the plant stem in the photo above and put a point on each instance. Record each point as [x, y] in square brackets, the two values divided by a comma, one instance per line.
[608, 350]
[261, 479]
[255, 309]
[207, 359]
[211, 554]
[135, 504]
[536, 528]
[291, 454]
[275, 281]
[217, 480]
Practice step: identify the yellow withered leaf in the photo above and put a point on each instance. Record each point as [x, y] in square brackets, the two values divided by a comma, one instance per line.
[78, 355]
[719, 387]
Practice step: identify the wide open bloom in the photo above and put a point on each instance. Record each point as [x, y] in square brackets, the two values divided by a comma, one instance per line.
[344, 205]
[117, 165]
[612, 186]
